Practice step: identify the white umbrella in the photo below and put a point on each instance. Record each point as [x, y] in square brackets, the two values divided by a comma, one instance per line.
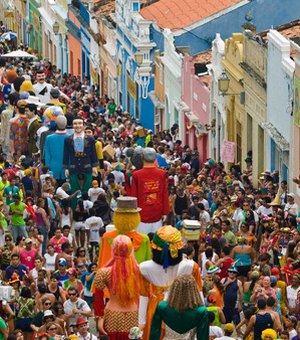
[18, 54]
[8, 36]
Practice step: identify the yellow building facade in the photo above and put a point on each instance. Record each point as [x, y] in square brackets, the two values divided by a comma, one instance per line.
[254, 67]
[235, 109]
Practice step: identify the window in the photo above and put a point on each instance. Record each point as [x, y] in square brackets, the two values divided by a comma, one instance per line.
[135, 7]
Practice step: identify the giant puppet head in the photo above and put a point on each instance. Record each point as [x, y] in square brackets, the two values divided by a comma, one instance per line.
[127, 214]
[50, 115]
[167, 246]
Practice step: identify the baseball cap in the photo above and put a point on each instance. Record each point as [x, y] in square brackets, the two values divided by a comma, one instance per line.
[229, 327]
[28, 240]
[291, 194]
[21, 104]
[293, 319]
[275, 272]
[62, 262]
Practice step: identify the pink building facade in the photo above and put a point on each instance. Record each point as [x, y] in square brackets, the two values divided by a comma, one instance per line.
[195, 106]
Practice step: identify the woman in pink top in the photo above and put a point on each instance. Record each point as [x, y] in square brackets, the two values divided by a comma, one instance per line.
[58, 240]
[28, 254]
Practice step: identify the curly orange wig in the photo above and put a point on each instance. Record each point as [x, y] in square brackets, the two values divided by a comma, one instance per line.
[124, 271]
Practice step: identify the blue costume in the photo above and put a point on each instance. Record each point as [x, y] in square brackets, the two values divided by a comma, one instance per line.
[54, 153]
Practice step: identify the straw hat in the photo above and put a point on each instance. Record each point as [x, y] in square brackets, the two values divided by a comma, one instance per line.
[276, 200]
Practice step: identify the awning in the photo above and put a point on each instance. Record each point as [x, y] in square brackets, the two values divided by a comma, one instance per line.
[155, 100]
[280, 141]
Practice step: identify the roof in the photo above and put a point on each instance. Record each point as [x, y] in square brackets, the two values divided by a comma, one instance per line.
[104, 7]
[176, 14]
[202, 58]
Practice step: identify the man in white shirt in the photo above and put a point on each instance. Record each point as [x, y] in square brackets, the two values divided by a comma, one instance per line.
[61, 192]
[265, 209]
[291, 208]
[204, 217]
[93, 225]
[76, 307]
[83, 333]
[119, 176]
[95, 191]
[203, 200]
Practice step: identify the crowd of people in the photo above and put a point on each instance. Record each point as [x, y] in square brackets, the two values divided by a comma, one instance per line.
[246, 249]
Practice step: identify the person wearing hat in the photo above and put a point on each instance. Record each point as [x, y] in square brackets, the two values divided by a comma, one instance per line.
[233, 296]
[95, 191]
[228, 330]
[121, 312]
[49, 319]
[54, 99]
[269, 334]
[161, 271]
[19, 130]
[150, 187]
[32, 127]
[54, 146]
[82, 327]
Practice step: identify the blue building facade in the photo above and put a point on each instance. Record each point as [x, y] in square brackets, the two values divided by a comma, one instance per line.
[135, 53]
[84, 19]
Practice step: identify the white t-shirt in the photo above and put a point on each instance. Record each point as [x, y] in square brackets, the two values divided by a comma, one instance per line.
[50, 261]
[263, 211]
[292, 334]
[87, 204]
[61, 194]
[93, 224]
[291, 294]
[94, 193]
[215, 331]
[119, 177]
[78, 304]
[204, 219]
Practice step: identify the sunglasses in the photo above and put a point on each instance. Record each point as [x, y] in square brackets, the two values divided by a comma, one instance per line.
[47, 304]
[72, 294]
[82, 251]
[52, 329]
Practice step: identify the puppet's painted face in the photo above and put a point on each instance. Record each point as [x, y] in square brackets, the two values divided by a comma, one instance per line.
[40, 77]
[78, 125]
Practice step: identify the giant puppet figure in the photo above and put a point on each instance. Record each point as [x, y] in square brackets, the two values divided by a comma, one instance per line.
[54, 149]
[121, 277]
[80, 158]
[149, 185]
[158, 274]
[126, 219]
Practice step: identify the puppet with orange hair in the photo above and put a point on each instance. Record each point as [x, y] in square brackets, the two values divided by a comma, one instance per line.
[120, 277]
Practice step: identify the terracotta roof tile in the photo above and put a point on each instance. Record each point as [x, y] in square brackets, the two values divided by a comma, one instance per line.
[185, 12]
[202, 58]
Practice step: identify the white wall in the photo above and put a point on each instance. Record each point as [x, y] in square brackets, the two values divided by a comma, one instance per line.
[172, 82]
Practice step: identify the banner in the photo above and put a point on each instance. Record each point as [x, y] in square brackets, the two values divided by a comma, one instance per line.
[227, 152]
[131, 87]
[297, 101]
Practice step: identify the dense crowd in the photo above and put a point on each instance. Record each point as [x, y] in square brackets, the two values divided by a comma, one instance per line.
[248, 246]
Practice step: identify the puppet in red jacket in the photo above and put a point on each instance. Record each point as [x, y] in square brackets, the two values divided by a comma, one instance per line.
[149, 185]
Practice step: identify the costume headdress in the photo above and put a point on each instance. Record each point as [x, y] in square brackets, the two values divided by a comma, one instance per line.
[124, 271]
[51, 114]
[168, 240]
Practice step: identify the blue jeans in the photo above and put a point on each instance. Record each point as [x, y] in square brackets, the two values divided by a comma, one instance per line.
[43, 231]
[19, 230]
